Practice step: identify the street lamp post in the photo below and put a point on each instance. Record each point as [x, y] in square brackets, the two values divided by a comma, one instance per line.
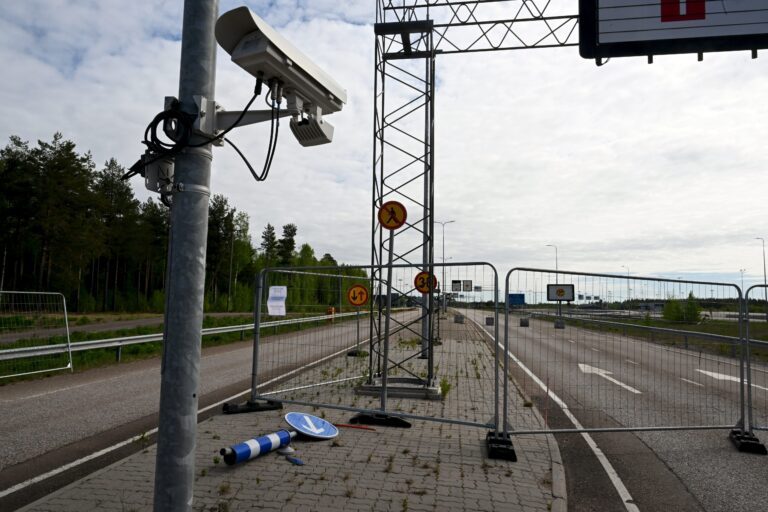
[628, 292]
[442, 224]
[765, 278]
[552, 245]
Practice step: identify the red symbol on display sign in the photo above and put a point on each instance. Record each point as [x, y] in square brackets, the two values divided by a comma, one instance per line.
[683, 10]
[421, 282]
[392, 215]
[357, 295]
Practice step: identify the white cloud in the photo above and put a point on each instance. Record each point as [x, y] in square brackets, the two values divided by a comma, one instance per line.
[658, 167]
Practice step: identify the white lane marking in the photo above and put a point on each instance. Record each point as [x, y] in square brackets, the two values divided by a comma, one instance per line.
[119, 445]
[59, 390]
[723, 376]
[691, 382]
[609, 470]
[594, 349]
[606, 375]
[632, 362]
[571, 341]
[68, 388]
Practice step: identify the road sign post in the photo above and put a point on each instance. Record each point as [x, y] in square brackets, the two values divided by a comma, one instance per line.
[560, 293]
[357, 295]
[425, 285]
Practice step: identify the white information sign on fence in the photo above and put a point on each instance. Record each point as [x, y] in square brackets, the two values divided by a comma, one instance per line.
[276, 300]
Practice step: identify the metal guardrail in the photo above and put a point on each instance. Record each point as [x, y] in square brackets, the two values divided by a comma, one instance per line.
[735, 340]
[44, 350]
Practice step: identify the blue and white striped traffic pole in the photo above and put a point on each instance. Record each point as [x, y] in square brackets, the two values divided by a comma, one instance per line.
[256, 446]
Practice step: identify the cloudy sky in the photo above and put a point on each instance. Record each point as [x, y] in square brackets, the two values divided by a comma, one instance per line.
[661, 168]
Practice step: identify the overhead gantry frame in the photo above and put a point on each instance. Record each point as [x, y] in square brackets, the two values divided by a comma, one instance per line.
[410, 34]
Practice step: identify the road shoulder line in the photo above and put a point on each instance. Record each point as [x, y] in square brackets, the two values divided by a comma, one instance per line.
[618, 484]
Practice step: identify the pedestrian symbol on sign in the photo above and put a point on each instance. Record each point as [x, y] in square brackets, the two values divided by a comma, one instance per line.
[392, 215]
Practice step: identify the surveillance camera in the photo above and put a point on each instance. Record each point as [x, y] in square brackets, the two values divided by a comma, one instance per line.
[261, 51]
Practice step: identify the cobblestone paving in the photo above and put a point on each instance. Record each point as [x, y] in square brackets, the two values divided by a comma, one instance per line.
[429, 467]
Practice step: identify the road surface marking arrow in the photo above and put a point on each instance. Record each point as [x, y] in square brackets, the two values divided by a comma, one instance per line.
[691, 382]
[723, 376]
[605, 374]
[311, 426]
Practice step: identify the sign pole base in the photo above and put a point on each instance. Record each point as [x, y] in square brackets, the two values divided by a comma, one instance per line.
[251, 406]
[746, 442]
[499, 446]
[384, 420]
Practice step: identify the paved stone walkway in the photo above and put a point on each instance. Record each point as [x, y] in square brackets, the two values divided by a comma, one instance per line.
[430, 467]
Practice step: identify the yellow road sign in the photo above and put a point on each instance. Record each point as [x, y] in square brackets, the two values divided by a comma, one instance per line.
[392, 215]
[421, 282]
[357, 295]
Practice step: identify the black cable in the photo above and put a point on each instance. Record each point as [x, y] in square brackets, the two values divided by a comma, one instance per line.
[182, 123]
[268, 166]
[271, 146]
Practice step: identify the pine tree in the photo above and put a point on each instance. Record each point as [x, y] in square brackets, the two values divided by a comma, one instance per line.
[269, 245]
[287, 244]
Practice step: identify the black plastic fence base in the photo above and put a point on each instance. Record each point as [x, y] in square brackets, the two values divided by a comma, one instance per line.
[357, 353]
[379, 419]
[500, 446]
[746, 442]
[249, 406]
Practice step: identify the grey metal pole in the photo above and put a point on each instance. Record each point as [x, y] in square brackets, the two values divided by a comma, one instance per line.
[180, 371]
[385, 369]
[256, 334]
[443, 286]
[765, 278]
[552, 245]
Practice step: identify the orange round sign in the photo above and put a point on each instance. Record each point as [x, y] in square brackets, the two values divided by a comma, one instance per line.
[421, 282]
[392, 215]
[560, 292]
[357, 295]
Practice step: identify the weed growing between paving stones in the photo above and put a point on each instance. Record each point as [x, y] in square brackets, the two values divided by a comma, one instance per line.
[445, 387]
[224, 488]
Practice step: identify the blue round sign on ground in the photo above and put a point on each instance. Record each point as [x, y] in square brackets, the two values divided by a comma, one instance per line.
[311, 426]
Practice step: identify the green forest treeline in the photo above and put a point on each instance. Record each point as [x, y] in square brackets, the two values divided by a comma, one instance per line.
[69, 227]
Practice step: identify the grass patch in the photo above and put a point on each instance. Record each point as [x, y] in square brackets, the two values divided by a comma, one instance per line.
[445, 387]
[411, 343]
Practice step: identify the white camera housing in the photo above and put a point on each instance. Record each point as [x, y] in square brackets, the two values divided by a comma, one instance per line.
[261, 51]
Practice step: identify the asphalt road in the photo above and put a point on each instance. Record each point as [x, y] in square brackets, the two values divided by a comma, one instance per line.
[613, 381]
[50, 422]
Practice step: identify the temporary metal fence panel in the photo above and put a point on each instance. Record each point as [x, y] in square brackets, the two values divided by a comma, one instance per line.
[361, 364]
[33, 319]
[756, 332]
[626, 353]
